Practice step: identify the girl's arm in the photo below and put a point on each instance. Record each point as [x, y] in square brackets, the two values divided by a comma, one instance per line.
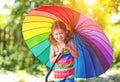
[52, 52]
[71, 48]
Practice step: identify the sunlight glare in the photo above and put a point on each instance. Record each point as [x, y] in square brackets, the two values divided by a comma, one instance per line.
[89, 1]
[6, 2]
[90, 11]
[4, 10]
[115, 18]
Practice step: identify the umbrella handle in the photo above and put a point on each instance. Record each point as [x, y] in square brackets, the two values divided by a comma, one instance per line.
[46, 78]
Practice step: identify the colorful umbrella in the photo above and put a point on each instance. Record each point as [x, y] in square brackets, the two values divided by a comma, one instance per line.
[95, 52]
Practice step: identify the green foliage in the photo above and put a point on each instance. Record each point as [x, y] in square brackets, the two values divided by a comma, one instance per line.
[113, 34]
[19, 58]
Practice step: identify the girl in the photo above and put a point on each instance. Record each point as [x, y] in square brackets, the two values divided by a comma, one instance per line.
[61, 43]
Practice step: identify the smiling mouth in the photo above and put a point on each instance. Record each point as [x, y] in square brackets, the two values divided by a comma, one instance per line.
[60, 39]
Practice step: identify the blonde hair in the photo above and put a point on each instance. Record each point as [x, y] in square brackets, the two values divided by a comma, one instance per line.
[59, 25]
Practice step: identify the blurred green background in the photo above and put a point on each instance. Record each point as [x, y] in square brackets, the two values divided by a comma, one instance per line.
[16, 58]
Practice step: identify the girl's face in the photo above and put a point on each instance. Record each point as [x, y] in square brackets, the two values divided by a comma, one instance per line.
[59, 35]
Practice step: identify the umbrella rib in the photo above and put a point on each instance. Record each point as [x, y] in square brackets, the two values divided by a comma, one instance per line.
[108, 65]
[47, 12]
[96, 46]
[80, 25]
[69, 17]
[85, 42]
[90, 32]
[77, 62]
[38, 35]
[95, 35]
[82, 50]
[89, 56]
[101, 39]
[88, 51]
[103, 47]
[84, 59]
[84, 54]
[98, 41]
[38, 43]
[88, 29]
[35, 42]
[43, 51]
[43, 16]
[88, 25]
[62, 15]
[38, 21]
[92, 61]
[56, 14]
[35, 28]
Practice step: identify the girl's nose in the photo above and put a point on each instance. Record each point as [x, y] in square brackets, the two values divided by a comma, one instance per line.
[59, 35]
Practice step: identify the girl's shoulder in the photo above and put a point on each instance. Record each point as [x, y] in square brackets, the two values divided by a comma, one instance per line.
[53, 46]
[70, 41]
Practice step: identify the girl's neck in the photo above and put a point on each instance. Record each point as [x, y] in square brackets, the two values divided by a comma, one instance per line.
[60, 43]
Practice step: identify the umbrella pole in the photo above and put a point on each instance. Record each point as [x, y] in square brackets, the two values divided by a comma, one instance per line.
[46, 78]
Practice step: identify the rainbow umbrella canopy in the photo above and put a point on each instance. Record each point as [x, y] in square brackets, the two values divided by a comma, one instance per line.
[95, 53]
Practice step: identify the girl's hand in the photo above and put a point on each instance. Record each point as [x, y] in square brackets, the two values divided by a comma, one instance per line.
[71, 48]
[67, 47]
[61, 51]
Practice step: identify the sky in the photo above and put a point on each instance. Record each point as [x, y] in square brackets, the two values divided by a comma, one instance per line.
[8, 3]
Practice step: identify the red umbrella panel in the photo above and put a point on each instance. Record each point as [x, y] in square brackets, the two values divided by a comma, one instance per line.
[95, 53]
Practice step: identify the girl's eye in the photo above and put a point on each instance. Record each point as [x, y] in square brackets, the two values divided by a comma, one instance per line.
[61, 33]
[56, 34]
